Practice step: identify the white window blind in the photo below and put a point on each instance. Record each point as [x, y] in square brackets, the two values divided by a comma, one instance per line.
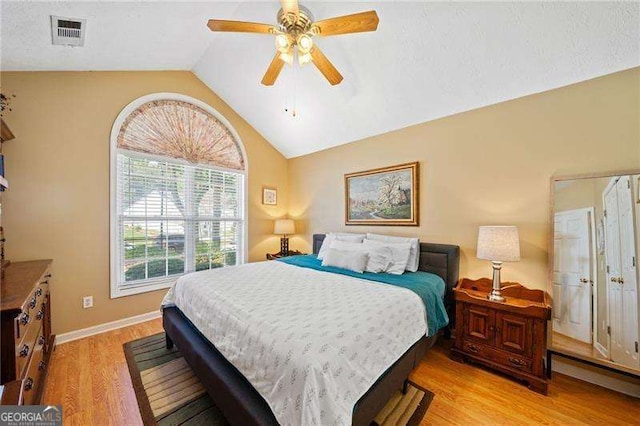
[173, 218]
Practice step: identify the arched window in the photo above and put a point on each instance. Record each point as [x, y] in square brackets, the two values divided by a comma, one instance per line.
[178, 174]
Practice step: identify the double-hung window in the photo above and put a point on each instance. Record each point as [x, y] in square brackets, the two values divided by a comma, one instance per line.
[171, 216]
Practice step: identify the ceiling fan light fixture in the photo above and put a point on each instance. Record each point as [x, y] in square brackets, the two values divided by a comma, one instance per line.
[305, 43]
[287, 58]
[282, 43]
[304, 59]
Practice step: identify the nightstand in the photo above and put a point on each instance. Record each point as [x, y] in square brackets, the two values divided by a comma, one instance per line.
[272, 256]
[509, 336]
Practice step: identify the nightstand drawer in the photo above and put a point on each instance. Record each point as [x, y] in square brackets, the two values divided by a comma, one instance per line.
[497, 356]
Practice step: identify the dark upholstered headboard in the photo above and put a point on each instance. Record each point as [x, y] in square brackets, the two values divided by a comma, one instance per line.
[440, 259]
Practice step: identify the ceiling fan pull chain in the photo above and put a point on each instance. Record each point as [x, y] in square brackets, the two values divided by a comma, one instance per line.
[295, 88]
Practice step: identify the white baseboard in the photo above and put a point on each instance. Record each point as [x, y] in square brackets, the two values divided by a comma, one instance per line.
[616, 382]
[103, 328]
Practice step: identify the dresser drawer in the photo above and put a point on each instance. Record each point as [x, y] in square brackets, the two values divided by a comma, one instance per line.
[31, 379]
[497, 356]
[31, 310]
[32, 340]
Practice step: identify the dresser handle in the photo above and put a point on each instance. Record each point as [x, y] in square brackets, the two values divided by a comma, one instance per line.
[473, 348]
[24, 351]
[28, 384]
[517, 362]
[40, 313]
[42, 340]
[38, 292]
[42, 365]
[48, 276]
[32, 303]
[24, 318]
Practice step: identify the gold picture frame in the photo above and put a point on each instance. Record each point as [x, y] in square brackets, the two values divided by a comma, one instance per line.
[387, 196]
[269, 196]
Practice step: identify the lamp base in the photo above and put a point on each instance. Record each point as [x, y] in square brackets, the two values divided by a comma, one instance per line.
[496, 297]
[284, 246]
[496, 291]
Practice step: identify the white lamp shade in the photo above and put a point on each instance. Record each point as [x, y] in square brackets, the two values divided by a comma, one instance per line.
[498, 243]
[284, 227]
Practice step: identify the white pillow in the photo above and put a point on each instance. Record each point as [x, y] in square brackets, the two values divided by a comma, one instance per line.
[400, 255]
[378, 258]
[414, 258]
[354, 238]
[355, 261]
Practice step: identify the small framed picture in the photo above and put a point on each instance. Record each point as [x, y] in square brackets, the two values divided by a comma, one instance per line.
[269, 196]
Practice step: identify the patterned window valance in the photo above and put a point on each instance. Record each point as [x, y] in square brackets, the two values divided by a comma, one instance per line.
[183, 130]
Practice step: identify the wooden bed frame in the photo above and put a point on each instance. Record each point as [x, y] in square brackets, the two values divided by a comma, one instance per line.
[242, 404]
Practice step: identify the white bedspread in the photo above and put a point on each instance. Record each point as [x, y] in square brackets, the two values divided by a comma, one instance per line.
[310, 342]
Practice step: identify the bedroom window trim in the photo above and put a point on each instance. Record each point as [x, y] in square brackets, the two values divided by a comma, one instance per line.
[159, 283]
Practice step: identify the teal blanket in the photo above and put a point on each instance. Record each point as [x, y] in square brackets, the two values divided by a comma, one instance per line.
[429, 287]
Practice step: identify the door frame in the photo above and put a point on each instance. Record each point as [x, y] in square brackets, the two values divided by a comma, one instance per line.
[591, 220]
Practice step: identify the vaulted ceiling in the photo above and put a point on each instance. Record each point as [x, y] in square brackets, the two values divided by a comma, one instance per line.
[427, 60]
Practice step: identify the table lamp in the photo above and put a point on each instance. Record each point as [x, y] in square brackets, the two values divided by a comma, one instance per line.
[498, 244]
[284, 227]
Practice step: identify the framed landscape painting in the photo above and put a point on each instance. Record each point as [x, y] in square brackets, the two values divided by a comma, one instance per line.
[385, 196]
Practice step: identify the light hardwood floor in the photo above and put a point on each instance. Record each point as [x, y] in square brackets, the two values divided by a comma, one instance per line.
[89, 377]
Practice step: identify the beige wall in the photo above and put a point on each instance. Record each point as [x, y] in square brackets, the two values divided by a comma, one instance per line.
[58, 166]
[487, 166]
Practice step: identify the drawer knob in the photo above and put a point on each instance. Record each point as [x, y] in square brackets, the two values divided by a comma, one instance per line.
[38, 292]
[24, 318]
[42, 365]
[473, 348]
[28, 384]
[32, 303]
[42, 340]
[40, 313]
[24, 351]
[517, 362]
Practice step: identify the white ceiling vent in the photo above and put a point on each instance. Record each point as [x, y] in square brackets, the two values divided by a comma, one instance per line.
[67, 31]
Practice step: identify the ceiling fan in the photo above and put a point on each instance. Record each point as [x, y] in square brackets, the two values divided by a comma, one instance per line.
[294, 37]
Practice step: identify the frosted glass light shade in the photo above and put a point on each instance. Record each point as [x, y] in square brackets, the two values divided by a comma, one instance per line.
[498, 243]
[284, 227]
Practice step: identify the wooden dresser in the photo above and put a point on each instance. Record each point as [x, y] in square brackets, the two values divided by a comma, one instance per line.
[508, 336]
[25, 332]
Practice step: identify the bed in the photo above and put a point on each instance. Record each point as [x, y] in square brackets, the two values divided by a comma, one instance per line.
[239, 400]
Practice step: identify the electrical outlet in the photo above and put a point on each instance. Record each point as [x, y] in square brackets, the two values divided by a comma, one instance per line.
[87, 302]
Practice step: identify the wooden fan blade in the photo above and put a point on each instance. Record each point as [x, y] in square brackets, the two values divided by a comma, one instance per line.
[273, 71]
[325, 66]
[357, 23]
[289, 6]
[240, 27]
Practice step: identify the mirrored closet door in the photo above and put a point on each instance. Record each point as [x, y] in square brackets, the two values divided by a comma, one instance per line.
[594, 270]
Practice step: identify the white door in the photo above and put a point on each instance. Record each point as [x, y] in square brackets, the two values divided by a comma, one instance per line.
[572, 274]
[612, 253]
[623, 274]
